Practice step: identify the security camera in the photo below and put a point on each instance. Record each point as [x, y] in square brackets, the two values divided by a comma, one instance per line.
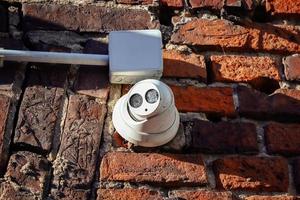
[146, 115]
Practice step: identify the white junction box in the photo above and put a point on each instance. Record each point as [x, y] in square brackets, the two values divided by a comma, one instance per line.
[135, 55]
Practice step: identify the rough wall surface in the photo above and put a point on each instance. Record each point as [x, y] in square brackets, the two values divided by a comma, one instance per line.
[234, 68]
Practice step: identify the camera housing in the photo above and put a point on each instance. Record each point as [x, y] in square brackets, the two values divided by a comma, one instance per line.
[146, 115]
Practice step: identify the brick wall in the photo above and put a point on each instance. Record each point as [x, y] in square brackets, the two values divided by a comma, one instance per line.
[233, 66]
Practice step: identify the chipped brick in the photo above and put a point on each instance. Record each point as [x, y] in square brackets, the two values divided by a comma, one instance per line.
[278, 197]
[214, 4]
[239, 68]
[128, 193]
[292, 67]
[29, 170]
[252, 173]
[183, 65]
[136, 2]
[39, 111]
[84, 18]
[201, 194]
[93, 81]
[283, 7]
[282, 105]
[78, 153]
[223, 137]
[233, 3]
[172, 3]
[282, 138]
[4, 136]
[224, 35]
[11, 191]
[158, 169]
[213, 100]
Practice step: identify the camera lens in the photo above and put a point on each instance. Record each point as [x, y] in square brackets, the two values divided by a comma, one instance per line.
[136, 100]
[151, 96]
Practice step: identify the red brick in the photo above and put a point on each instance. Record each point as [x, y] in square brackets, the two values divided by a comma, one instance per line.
[93, 81]
[282, 197]
[283, 7]
[202, 195]
[11, 191]
[296, 173]
[134, 2]
[39, 111]
[158, 169]
[29, 170]
[214, 4]
[223, 35]
[239, 68]
[292, 67]
[252, 173]
[78, 152]
[282, 138]
[282, 105]
[214, 100]
[4, 136]
[224, 137]
[84, 18]
[172, 3]
[183, 65]
[124, 194]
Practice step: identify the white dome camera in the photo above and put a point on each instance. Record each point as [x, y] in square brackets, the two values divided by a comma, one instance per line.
[146, 115]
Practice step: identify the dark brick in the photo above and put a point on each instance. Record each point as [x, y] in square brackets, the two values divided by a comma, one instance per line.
[292, 67]
[39, 111]
[9, 43]
[268, 174]
[282, 138]
[4, 18]
[158, 169]
[214, 4]
[86, 18]
[224, 137]
[93, 81]
[296, 173]
[181, 65]
[78, 153]
[212, 100]
[29, 170]
[128, 193]
[282, 105]
[4, 136]
[202, 195]
[224, 35]
[11, 191]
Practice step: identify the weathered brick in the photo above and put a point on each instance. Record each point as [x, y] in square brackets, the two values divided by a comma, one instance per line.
[39, 111]
[240, 68]
[282, 138]
[252, 173]
[245, 4]
[214, 4]
[11, 191]
[29, 170]
[201, 195]
[56, 41]
[213, 100]
[223, 137]
[183, 65]
[158, 169]
[84, 18]
[233, 3]
[78, 153]
[128, 193]
[296, 173]
[283, 7]
[282, 197]
[282, 105]
[172, 3]
[292, 67]
[224, 35]
[93, 81]
[4, 136]
[134, 2]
